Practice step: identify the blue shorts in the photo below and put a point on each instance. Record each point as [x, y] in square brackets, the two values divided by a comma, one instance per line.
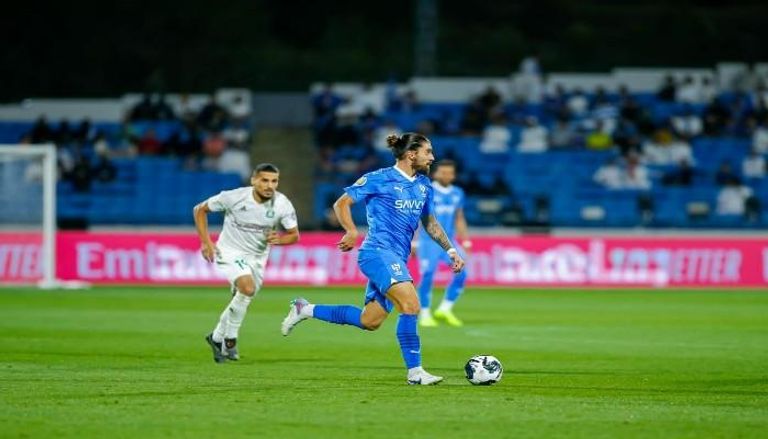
[383, 268]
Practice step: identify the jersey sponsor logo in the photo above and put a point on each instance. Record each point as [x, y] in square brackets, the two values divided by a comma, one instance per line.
[409, 204]
[360, 181]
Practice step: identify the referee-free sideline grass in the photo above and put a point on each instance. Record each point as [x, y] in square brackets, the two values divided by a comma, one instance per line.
[131, 363]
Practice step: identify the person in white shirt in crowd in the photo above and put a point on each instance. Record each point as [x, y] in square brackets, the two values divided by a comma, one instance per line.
[760, 137]
[562, 135]
[534, 137]
[380, 134]
[687, 124]
[605, 111]
[368, 99]
[635, 174]
[732, 198]
[609, 175]
[530, 83]
[496, 136]
[753, 165]
[578, 104]
[666, 149]
[688, 92]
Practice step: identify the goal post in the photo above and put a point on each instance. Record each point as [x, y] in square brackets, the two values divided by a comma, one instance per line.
[28, 175]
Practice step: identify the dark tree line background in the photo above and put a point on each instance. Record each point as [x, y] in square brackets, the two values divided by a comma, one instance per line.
[108, 48]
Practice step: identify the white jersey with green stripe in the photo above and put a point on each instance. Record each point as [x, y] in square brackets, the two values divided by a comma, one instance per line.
[247, 222]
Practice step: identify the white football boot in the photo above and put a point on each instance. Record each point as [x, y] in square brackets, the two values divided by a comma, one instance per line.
[295, 315]
[421, 377]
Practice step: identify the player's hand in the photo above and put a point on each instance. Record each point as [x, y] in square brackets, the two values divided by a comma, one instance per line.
[209, 251]
[273, 238]
[348, 241]
[457, 263]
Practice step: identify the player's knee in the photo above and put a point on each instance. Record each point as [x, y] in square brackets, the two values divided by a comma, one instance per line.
[371, 326]
[410, 307]
[246, 288]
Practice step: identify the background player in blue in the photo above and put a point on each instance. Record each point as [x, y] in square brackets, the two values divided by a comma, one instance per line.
[449, 211]
[395, 199]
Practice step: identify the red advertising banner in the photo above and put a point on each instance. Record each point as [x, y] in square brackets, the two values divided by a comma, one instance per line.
[167, 258]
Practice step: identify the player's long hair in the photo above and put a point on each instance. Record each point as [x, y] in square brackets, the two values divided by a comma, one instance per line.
[406, 142]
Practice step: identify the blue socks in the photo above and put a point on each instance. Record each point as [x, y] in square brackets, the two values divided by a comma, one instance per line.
[410, 345]
[339, 314]
[456, 286]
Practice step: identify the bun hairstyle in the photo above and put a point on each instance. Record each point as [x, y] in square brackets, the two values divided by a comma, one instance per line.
[405, 142]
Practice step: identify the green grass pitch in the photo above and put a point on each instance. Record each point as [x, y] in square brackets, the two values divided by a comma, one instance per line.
[131, 363]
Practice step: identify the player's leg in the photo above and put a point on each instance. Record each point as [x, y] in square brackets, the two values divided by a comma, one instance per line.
[403, 296]
[428, 267]
[245, 276]
[369, 318]
[444, 312]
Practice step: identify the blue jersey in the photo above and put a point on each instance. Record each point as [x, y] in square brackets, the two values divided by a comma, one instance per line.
[447, 201]
[394, 204]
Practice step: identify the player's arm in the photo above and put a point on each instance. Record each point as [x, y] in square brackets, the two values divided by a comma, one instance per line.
[207, 247]
[462, 231]
[436, 232]
[290, 236]
[343, 209]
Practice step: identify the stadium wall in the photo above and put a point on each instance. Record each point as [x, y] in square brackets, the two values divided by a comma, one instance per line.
[497, 261]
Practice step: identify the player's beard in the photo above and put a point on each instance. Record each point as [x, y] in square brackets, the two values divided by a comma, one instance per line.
[263, 195]
[423, 169]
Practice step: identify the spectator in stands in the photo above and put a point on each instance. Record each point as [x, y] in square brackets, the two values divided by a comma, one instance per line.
[237, 134]
[149, 144]
[563, 135]
[687, 124]
[626, 137]
[213, 117]
[214, 145]
[186, 111]
[578, 104]
[604, 110]
[688, 92]
[379, 137]
[64, 133]
[104, 170]
[725, 174]
[368, 100]
[490, 102]
[529, 80]
[665, 149]
[682, 176]
[81, 175]
[84, 133]
[556, 104]
[668, 90]
[240, 110]
[716, 117]
[409, 103]
[496, 136]
[144, 110]
[534, 137]
[732, 198]
[41, 131]
[760, 137]
[474, 119]
[598, 139]
[753, 165]
[163, 111]
[635, 174]
[609, 175]
[236, 161]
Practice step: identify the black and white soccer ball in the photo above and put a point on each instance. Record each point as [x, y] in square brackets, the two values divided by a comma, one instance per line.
[484, 370]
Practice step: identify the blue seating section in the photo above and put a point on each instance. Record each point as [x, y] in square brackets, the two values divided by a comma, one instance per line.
[146, 191]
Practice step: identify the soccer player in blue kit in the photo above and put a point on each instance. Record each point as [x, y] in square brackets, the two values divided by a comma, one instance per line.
[396, 198]
[449, 211]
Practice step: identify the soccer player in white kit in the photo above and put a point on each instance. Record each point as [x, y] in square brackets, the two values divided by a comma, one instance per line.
[251, 218]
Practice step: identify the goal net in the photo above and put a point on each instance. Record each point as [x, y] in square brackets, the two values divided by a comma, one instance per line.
[28, 216]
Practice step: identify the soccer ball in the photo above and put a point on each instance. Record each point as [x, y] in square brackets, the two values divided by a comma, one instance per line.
[483, 370]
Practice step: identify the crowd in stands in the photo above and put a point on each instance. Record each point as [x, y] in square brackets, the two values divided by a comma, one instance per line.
[647, 138]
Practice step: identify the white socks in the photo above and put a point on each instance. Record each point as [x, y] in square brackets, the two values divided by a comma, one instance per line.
[308, 310]
[415, 371]
[425, 313]
[445, 305]
[232, 318]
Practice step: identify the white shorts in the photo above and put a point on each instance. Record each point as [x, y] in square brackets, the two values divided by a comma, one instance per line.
[234, 266]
